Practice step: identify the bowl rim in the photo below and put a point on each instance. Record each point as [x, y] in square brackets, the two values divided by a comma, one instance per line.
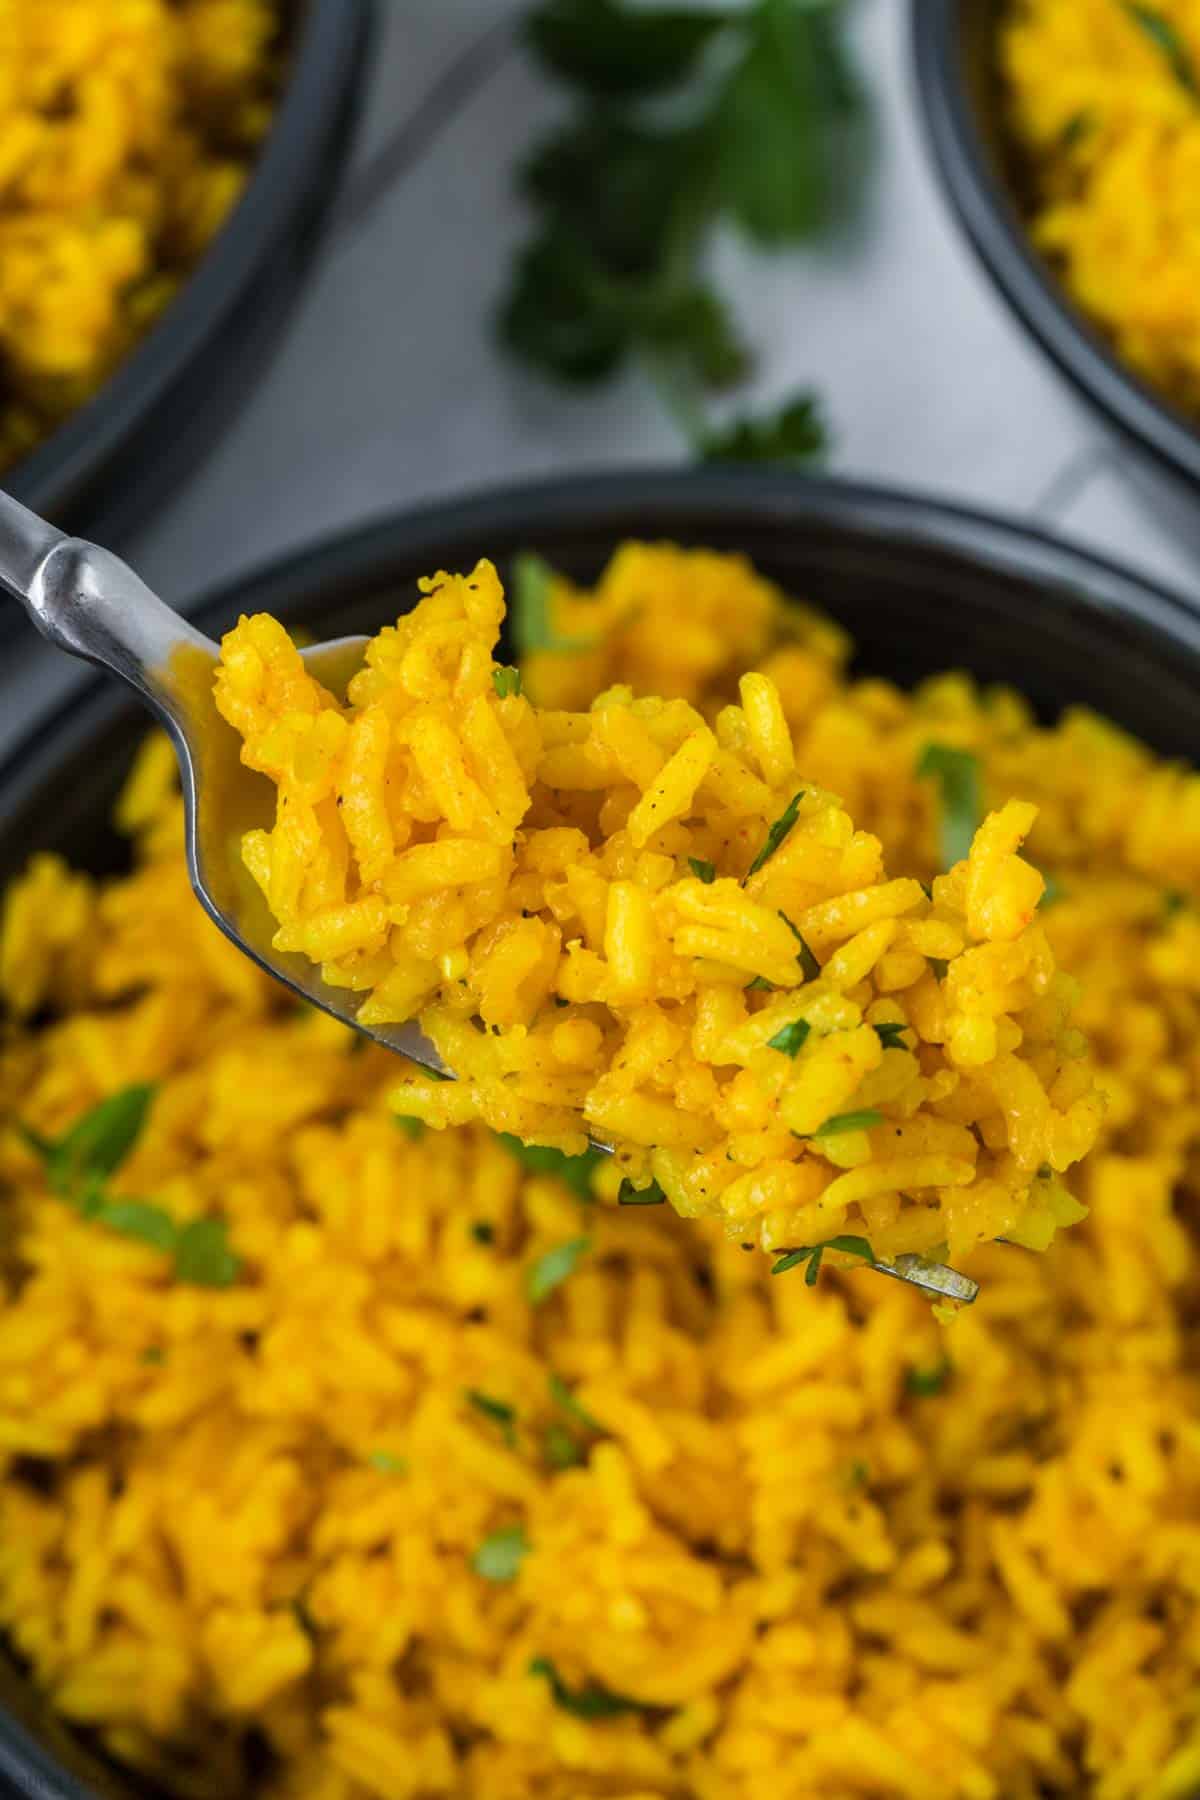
[1068, 575]
[999, 237]
[330, 34]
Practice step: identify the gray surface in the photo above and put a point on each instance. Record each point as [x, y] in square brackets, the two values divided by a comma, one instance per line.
[388, 389]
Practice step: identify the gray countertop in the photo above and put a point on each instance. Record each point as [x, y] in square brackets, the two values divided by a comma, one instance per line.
[388, 390]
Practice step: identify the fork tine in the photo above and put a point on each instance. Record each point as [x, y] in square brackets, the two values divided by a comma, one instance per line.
[931, 1277]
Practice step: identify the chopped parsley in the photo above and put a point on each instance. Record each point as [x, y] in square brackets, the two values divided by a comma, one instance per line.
[562, 1397]
[553, 1268]
[813, 1253]
[777, 833]
[153, 1356]
[590, 1702]
[562, 1450]
[483, 1231]
[501, 1553]
[628, 1195]
[387, 1464]
[849, 1121]
[412, 1128]
[1173, 903]
[1162, 33]
[791, 1038]
[529, 596]
[506, 680]
[959, 778]
[809, 965]
[543, 1159]
[703, 871]
[925, 1383]
[498, 1411]
[760, 985]
[891, 1035]
[79, 1164]
[1075, 130]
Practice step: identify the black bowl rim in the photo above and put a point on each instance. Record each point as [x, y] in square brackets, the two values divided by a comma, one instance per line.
[999, 236]
[766, 501]
[1068, 575]
[290, 162]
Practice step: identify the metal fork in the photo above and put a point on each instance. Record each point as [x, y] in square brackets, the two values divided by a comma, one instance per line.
[89, 603]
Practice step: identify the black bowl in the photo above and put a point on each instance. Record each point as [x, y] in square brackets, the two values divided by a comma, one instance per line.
[921, 585]
[117, 456]
[959, 88]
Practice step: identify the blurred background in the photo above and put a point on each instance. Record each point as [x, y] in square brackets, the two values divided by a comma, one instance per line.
[388, 385]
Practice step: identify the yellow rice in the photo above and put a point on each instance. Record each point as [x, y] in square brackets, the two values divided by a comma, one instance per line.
[1105, 106]
[127, 128]
[834, 1551]
[576, 905]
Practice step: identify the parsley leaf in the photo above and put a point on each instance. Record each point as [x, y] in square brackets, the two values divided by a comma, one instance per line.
[791, 1038]
[703, 871]
[760, 985]
[543, 1159]
[412, 1128]
[590, 1702]
[1161, 32]
[506, 680]
[809, 965]
[777, 833]
[607, 49]
[386, 1464]
[498, 1411]
[924, 1383]
[959, 776]
[137, 1219]
[813, 1253]
[562, 1450]
[849, 1121]
[501, 1553]
[562, 1396]
[628, 1195]
[795, 434]
[97, 1144]
[891, 1035]
[529, 593]
[203, 1256]
[552, 1269]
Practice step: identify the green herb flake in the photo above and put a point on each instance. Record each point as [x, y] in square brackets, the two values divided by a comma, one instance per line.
[891, 1035]
[483, 1231]
[1164, 35]
[840, 1123]
[940, 967]
[553, 1268]
[501, 1553]
[777, 833]
[810, 968]
[608, 50]
[760, 985]
[498, 1411]
[925, 1383]
[858, 1475]
[1173, 903]
[384, 1463]
[590, 1702]
[1052, 891]
[153, 1356]
[137, 1219]
[812, 1254]
[562, 1397]
[203, 1256]
[960, 782]
[791, 1038]
[533, 625]
[412, 1128]
[1075, 130]
[562, 1450]
[795, 434]
[703, 871]
[97, 1144]
[506, 680]
[542, 1159]
[628, 1195]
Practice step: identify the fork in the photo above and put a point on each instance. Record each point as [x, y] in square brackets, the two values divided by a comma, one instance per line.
[89, 603]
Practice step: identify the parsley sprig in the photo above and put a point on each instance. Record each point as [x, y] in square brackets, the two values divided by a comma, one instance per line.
[80, 1164]
[960, 783]
[813, 1253]
[764, 129]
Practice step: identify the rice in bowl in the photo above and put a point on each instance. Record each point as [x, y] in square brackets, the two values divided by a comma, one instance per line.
[419, 1472]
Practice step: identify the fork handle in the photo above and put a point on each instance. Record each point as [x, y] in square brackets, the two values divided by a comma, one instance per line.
[88, 602]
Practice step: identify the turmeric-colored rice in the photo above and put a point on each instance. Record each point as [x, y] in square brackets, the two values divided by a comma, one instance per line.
[127, 128]
[1105, 109]
[647, 922]
[458, 1484]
